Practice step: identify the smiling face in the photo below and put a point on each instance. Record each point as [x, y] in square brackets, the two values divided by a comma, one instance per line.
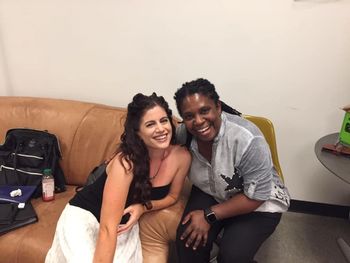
[201, 116]
[155, 128]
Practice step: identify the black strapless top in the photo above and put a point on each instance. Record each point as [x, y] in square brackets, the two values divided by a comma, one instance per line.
[159, 192]
[90, 197]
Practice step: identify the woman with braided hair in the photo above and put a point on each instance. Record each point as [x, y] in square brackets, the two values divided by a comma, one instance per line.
[235, 186]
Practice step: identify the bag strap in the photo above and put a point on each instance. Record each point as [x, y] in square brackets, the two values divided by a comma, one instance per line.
[15, 161]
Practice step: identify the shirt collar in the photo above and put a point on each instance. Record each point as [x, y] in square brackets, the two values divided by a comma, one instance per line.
[222, 127]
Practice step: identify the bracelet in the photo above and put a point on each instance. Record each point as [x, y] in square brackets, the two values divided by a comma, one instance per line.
[148, 205]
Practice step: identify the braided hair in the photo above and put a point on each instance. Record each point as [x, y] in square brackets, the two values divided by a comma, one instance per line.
[203, 87]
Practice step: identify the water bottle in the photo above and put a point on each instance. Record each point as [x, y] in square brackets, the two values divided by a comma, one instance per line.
[48, 185]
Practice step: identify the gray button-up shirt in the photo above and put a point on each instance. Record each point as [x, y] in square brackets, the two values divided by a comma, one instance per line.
[241, 162]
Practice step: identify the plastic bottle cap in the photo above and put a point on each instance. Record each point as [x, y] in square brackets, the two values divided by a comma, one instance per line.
[47, 171]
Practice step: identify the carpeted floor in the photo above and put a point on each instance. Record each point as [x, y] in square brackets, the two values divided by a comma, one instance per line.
[304, 238]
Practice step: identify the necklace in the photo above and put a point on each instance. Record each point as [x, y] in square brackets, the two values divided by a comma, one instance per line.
[160, 164]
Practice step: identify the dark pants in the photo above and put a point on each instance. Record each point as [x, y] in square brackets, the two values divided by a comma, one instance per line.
[242, 236]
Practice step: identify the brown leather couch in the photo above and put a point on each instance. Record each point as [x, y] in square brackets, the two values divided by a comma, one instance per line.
[88, 134]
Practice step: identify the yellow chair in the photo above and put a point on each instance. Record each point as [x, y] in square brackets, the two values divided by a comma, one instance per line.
[266, 127]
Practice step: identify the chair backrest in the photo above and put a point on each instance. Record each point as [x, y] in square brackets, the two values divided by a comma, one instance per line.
[266, 127]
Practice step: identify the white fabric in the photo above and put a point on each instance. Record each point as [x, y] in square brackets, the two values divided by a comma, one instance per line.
[76, 235]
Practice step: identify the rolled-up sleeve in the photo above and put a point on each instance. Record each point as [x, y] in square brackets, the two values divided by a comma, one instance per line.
[256, 169]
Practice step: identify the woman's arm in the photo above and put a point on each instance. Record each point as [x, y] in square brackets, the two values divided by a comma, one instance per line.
[256, 170]
[114, 199]
[182, 160]
[237, 205]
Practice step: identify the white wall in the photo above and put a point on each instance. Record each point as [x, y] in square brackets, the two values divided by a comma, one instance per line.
[286, 60]
[5, 87]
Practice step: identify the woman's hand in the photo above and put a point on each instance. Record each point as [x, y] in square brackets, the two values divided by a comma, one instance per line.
[196, 232]
[135, 211]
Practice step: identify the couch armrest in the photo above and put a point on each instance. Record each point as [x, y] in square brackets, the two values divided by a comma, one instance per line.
[158, 229]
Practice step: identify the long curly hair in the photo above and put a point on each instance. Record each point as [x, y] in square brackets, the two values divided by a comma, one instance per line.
[132, 147]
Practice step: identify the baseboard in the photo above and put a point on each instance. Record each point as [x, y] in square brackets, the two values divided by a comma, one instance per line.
[319, 209]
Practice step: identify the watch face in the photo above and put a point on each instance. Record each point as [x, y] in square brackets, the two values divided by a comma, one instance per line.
[211, 217]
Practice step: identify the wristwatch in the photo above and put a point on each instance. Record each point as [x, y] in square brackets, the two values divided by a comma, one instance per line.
[210, 216]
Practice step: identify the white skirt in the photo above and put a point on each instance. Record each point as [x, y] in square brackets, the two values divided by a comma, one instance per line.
[76, 235]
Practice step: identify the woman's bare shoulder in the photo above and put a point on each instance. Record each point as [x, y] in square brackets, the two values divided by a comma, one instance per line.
[178, 151]
[119, 162]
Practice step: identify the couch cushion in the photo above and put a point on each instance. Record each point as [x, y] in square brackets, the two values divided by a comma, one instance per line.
[88, 132]
[30, 244]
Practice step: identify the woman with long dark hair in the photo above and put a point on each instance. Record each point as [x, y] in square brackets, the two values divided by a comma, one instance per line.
[100, 222]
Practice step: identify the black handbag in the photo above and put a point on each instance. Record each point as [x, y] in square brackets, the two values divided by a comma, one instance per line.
[12, 176]
[25, 154]
[94, 174]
